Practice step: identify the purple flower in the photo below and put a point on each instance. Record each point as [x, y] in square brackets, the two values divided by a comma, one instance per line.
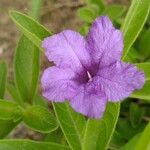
[89, 72]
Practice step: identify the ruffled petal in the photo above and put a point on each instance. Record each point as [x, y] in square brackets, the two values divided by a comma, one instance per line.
[67, 50]
[88, 102]
[105, 42]
[58, 84]
[119, 80]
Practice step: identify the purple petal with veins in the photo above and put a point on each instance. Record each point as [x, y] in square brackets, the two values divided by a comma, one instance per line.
[89, 71]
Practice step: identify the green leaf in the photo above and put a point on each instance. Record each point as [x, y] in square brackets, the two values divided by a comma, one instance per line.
[29, 27]
[114, 11]
[3, 78]
[146, 68]
[133, 56]
[30, 145]
[13, 91]
[98, 133]
[144, 141]
[134, 22]
[98, 3]
[144, 93]
[26, 68]
[9, 110]
[39, 119]
[71, 124]
[5, 125]
[144, 45]
[140, 141]
[86, 14]
[132, 143]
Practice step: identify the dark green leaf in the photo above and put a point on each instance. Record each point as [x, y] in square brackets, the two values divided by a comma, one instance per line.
[39, 119]
[30, 145]
[136, 114]
[140, 141]
[144, 45]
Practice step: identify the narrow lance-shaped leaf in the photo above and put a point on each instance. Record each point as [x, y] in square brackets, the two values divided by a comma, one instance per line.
[134, 21]
[26, 66]
[30, 145]
[71, 124]
[98, 132]
[39, 119]
[29, 27]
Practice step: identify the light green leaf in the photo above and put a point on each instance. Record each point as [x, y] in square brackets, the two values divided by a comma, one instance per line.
[9, 110]
[29, 27]
[144, 141]
[98, 133]
[71, 124]
[26, 68]
[39, 119]
[114, 11]
[146, 68]
[30, 145]
[86, 14]
[144, 93]
[140, 141]
[98, 3]
[134, 21]
[132, 143]
[3, 78]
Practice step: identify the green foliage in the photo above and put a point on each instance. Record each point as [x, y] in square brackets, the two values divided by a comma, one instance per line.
[146, 68]
[98, 132]
[136, 114]
[29, 27]
[71, 123]
[144, 93]
[114, 11]
[39, 119]
[140, 141]
[132, 24]
[30, 145]
[144, 46]
[3, 78]
[9, 111]
[26, 67]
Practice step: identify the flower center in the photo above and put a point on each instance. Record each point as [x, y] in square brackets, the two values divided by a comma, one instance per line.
[89, 76]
